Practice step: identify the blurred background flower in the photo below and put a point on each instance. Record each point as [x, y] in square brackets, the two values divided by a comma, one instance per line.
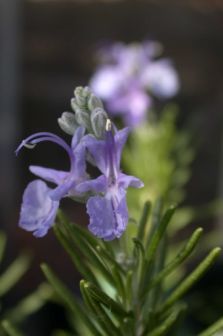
[129, 75]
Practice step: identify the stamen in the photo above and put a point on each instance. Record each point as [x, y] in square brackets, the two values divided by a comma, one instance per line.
[43, 136]
[108, 125]
[111, 152]
[36, 138]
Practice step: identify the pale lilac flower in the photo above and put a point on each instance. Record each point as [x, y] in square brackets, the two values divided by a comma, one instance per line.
[129, 76]
[160, 79]
[108, 210]
[131, 105]
[107, 82]
[40, 202]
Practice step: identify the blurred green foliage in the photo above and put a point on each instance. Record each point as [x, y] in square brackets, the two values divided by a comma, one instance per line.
[11, 318]
[160, 155]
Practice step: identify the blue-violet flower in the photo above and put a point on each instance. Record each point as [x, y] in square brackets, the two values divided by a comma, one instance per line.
[128, 77]
[40, 202]
[108, 210]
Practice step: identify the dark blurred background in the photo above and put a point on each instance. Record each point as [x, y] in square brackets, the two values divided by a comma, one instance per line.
[47, 48]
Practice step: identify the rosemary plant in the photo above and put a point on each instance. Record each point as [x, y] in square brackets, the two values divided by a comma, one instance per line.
[123, 263]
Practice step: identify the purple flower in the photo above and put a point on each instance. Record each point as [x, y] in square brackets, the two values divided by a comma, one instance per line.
[40, 202]
[129, 74]
[108, 210]
[132, 105]
[160, 79]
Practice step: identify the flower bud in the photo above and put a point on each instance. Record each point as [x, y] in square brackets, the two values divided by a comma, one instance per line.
[81, 96]
[74, 105]
[83, 119]
[67, 122]
[98, 121]
[94, 102]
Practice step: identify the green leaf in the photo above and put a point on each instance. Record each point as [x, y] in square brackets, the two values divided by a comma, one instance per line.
[181, 256]
[159, 229]
[88, 248]
[72, 227]
[129, 289]
[13, 273]
[90, 252]
[144, 221]
[76, 258]
[92, 306]
[213, 329]
[63, 333]
[139, 248]
[118, 284]
[105, 321]
[2, 244]
[191, 279]
[103, 298]
[30, 304]
[156, 218]
[10, 329]
[158, 234]
[167, 324]
[109, 259]
[69, 300]
[150, 301]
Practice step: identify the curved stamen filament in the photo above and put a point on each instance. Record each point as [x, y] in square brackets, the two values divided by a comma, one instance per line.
[36, 138]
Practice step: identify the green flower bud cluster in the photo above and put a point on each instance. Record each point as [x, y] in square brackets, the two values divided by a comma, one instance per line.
[88, 112]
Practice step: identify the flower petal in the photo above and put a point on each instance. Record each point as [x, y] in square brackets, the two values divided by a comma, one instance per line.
[99, 185]
[106, 221]
[97, 148]
[125, 181]
[78, 135]
[48, 174]
[120, 140]
[63, 189]
[161, 78]
[132, 105]
[38, 210]
[79, 163]
[106, 82]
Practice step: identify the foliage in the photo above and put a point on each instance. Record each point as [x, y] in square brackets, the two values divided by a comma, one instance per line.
[160, 155]
[124, 287]
[11, 318]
